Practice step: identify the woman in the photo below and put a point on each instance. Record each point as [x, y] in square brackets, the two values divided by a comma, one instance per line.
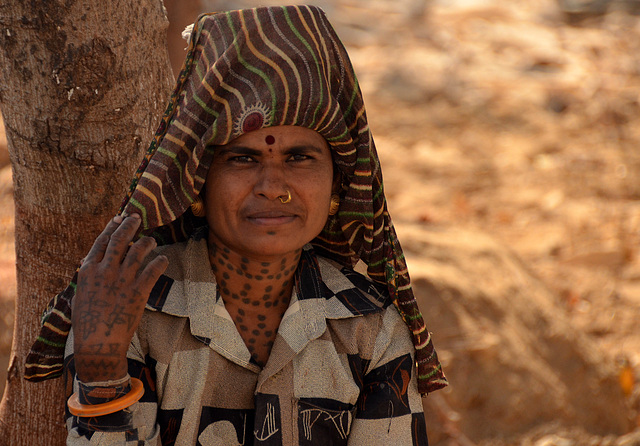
[249, 323]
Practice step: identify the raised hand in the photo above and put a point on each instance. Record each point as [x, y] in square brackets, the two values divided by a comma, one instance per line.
[110, 298]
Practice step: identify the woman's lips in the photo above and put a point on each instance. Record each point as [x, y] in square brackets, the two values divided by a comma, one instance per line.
[271, 218]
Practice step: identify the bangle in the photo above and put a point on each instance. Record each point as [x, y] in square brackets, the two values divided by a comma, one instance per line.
[96, 410]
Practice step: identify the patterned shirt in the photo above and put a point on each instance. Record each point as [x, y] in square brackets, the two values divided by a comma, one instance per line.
[341, 370]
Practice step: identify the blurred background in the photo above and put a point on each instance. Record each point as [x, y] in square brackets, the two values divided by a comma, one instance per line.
[508, 133]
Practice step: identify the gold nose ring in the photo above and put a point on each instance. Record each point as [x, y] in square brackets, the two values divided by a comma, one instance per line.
[284, 200]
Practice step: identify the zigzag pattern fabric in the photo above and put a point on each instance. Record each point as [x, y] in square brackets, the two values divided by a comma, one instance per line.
[263, 67]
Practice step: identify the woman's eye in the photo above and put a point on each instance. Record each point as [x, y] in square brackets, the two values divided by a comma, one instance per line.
[299, 157]
[241, 159]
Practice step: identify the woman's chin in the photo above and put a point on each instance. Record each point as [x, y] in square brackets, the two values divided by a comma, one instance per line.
[266, 246]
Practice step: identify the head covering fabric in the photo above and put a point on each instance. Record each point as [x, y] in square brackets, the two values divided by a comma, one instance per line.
[263, 67]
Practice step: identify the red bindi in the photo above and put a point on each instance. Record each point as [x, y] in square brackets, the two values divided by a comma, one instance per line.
[270, 139]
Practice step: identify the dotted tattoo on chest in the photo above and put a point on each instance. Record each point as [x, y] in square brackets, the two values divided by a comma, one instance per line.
[256, 309]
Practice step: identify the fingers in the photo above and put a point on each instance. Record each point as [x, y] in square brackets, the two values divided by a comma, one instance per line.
[100, 244]
[145, 278]
[155, 269]
[120, 239]
[151, 274]
[137, 252]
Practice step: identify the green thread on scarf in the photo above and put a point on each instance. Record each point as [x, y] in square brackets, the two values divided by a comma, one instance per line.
[204, 106]
[251, 68]
[354, 95]
[50, 342]
[357, 214]
[174, 159]
[432, 373]
[315, 60]
[378, 263]
[143, 212]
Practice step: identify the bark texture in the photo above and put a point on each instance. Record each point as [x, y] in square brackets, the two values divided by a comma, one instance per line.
[82, 87]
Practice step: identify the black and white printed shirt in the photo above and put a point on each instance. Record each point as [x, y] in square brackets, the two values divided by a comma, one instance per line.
[341, 371]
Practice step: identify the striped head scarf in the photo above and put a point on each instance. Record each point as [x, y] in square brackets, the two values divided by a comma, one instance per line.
[246, 70]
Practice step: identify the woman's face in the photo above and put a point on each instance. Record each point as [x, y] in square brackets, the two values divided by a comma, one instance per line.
[247, 178]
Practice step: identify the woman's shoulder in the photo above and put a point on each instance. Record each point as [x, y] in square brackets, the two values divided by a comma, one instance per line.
[188, 267]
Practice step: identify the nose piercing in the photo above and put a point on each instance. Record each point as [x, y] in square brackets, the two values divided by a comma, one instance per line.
[285, 200]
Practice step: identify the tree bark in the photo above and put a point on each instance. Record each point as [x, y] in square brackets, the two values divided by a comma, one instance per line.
[82, 87]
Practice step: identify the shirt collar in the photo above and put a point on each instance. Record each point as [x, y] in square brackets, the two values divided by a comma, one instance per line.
[322, 290]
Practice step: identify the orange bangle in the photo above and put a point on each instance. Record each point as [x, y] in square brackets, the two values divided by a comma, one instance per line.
[96, 410]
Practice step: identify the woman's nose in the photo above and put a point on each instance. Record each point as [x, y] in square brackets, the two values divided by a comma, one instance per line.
[271, 182]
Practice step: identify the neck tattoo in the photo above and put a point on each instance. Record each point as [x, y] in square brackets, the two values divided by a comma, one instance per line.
[256, 293]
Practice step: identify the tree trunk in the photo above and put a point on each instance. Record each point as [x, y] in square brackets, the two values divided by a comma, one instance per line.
[82, 87]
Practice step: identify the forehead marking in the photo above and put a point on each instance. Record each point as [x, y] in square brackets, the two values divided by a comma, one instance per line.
[270, 139]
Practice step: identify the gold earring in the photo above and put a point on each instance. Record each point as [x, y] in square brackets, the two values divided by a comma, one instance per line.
[285, 200]
[335, 204]
[197, 207]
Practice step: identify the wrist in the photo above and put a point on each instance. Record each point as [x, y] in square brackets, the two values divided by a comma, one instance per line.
[100, 369]
[106, 408]
[99, 392]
